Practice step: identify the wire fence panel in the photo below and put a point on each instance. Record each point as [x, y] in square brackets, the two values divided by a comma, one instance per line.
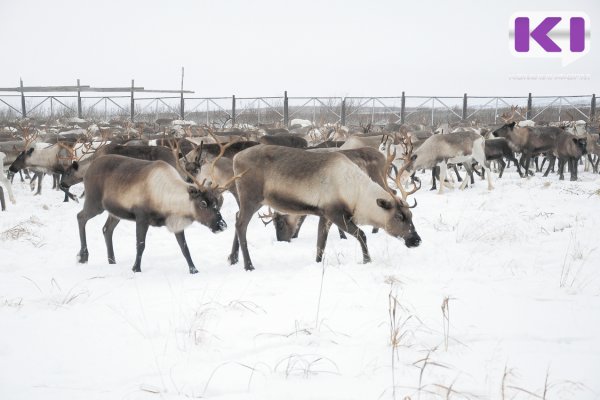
[225, 112]
[258, 111]
[153, 109]
[318, 110]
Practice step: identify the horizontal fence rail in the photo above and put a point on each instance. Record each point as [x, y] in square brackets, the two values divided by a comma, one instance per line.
[139, 104]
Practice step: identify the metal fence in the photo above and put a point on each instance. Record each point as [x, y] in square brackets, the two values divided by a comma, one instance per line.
[140, 105]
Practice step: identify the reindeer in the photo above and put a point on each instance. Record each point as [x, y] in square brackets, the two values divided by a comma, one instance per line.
[151, 193]
[50, 158]
[369, 160]
[457, 147]
[593, 149]
[568, 149]
[327, 184]
[529, 141]
[6, 183]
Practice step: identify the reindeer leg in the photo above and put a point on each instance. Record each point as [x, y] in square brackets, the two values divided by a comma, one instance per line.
[489, 175]
[344, 221]
[574, 167]
[458, 177]
[434, 172]
[2, 203]
[186, 252]
[443, 172]
[108, 229]
[241, 226]
[561, 168]
[517, 164]
[39, 188]
[300, 222]
[322, 232]
[502, 167]
[465, 182]
[141, 229]
[342, 234]
[82, 218]
[8, 185]
[235, 247]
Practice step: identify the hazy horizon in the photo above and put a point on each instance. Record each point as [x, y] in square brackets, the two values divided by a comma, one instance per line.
[262, 48]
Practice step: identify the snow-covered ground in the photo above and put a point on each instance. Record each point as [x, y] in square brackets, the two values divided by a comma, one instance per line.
[519, 267]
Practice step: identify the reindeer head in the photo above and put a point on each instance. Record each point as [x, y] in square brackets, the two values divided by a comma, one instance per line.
[29, 139]
[504, 130]
[286, 226]
[399, 216]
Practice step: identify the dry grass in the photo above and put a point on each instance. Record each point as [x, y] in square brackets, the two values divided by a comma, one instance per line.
[25, 231]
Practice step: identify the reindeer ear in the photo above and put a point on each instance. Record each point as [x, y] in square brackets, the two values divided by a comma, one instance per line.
[75, 165]
[385, 204]
[512, 124]
[193, 191]
[30, 151]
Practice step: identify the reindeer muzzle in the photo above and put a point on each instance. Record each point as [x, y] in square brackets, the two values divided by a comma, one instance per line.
[220, 227]
[413, 240]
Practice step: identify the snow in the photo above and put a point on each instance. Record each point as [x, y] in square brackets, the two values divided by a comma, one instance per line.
[526, 122]
[300, 122]
[181, 122]
[518, 265]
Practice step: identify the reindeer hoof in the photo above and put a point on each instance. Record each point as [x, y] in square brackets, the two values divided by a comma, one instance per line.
[233, 259]
[82, 258]
[366, 260]
[193, 270]
[111, 261]
[136, 269]
[249, 267]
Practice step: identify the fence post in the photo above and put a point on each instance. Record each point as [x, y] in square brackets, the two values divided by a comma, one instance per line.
[529, 105]
[402, 108]
[182, 105]
[464, 111]
[132, 105]
[593, 108]
[23, 109]
[343, 112]
[232, 111]
[79, 113]
[286, 110]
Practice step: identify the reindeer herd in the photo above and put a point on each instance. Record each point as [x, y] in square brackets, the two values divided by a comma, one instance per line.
[346, 177]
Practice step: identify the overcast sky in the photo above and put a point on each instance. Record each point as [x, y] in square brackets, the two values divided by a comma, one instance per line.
[263, 47]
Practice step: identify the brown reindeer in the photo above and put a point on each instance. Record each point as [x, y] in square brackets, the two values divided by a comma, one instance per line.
[151, 193]
[568, 149]
[530, 141]
[295, 181]
[369, 160]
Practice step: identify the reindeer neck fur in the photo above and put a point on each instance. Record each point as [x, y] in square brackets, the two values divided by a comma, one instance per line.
[47, 157]
[169, 196]
[518, 137]
[366, 211]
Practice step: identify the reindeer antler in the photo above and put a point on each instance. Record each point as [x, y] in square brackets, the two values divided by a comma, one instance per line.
[267, 217]
[175, 149]
[390, 157]
[217, 158]
[28, 137]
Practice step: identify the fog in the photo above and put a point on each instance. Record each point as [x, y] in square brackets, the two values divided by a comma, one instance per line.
[251, 48]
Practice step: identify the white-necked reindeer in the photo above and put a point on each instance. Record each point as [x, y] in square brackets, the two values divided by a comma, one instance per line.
[6, 183]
